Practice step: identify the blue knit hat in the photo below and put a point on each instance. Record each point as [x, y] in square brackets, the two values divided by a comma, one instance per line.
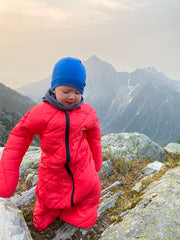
[69, 71]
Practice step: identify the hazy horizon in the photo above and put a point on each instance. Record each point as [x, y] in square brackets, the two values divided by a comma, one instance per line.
[128, 34]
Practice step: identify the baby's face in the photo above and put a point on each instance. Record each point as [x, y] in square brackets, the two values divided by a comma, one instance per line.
[67, 95]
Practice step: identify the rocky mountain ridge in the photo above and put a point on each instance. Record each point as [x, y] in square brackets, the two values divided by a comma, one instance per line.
[144, 101]
[12, 107]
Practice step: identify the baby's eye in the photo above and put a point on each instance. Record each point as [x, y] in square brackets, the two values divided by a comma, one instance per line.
[66, 92]
[78, 92]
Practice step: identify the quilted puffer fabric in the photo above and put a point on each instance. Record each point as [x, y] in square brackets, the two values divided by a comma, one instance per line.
[68, 185]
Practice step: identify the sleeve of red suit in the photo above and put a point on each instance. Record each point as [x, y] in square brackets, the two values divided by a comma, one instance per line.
[14, 150]
[94, 139]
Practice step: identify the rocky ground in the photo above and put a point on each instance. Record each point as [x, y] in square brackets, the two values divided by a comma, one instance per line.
[127, 171]
[119, 184]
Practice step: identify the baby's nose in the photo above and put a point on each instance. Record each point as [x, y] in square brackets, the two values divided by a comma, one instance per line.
[71, 96]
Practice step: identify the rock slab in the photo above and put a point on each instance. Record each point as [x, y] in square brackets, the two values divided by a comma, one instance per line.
[12, 224]
[131, 145]
[156, 216]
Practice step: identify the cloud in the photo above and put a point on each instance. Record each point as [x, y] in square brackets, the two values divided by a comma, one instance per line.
[105, 11]
[43, 10]
[34, 9]
[123, 4]
[71, 13]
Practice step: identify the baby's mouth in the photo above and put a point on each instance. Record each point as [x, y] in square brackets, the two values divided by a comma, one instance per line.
[70, 103]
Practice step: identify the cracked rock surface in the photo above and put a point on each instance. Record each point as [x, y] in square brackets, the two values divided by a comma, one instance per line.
[156, 216]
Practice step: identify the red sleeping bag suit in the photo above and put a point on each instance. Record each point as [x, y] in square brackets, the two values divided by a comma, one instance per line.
[68, 186]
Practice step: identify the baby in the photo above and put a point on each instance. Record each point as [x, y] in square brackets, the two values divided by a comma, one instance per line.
[70, 138]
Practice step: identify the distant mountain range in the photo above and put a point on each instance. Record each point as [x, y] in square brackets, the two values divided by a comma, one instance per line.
[12, 106]
[144, 101]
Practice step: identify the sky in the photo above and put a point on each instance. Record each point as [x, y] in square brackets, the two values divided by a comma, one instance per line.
[129, 34]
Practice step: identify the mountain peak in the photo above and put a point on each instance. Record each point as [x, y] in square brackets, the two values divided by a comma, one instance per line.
[94, 58]
[151, 69]
[156, 74]
[99, 64]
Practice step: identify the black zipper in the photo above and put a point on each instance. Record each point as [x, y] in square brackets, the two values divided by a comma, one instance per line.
[68, 155]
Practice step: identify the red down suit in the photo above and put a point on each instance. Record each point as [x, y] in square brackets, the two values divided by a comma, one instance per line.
[68, 185]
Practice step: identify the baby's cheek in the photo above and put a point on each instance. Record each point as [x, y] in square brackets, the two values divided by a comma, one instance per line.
[59, 100]
[78, 98]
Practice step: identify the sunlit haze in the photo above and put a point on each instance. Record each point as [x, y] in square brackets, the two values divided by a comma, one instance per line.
[128, 34]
